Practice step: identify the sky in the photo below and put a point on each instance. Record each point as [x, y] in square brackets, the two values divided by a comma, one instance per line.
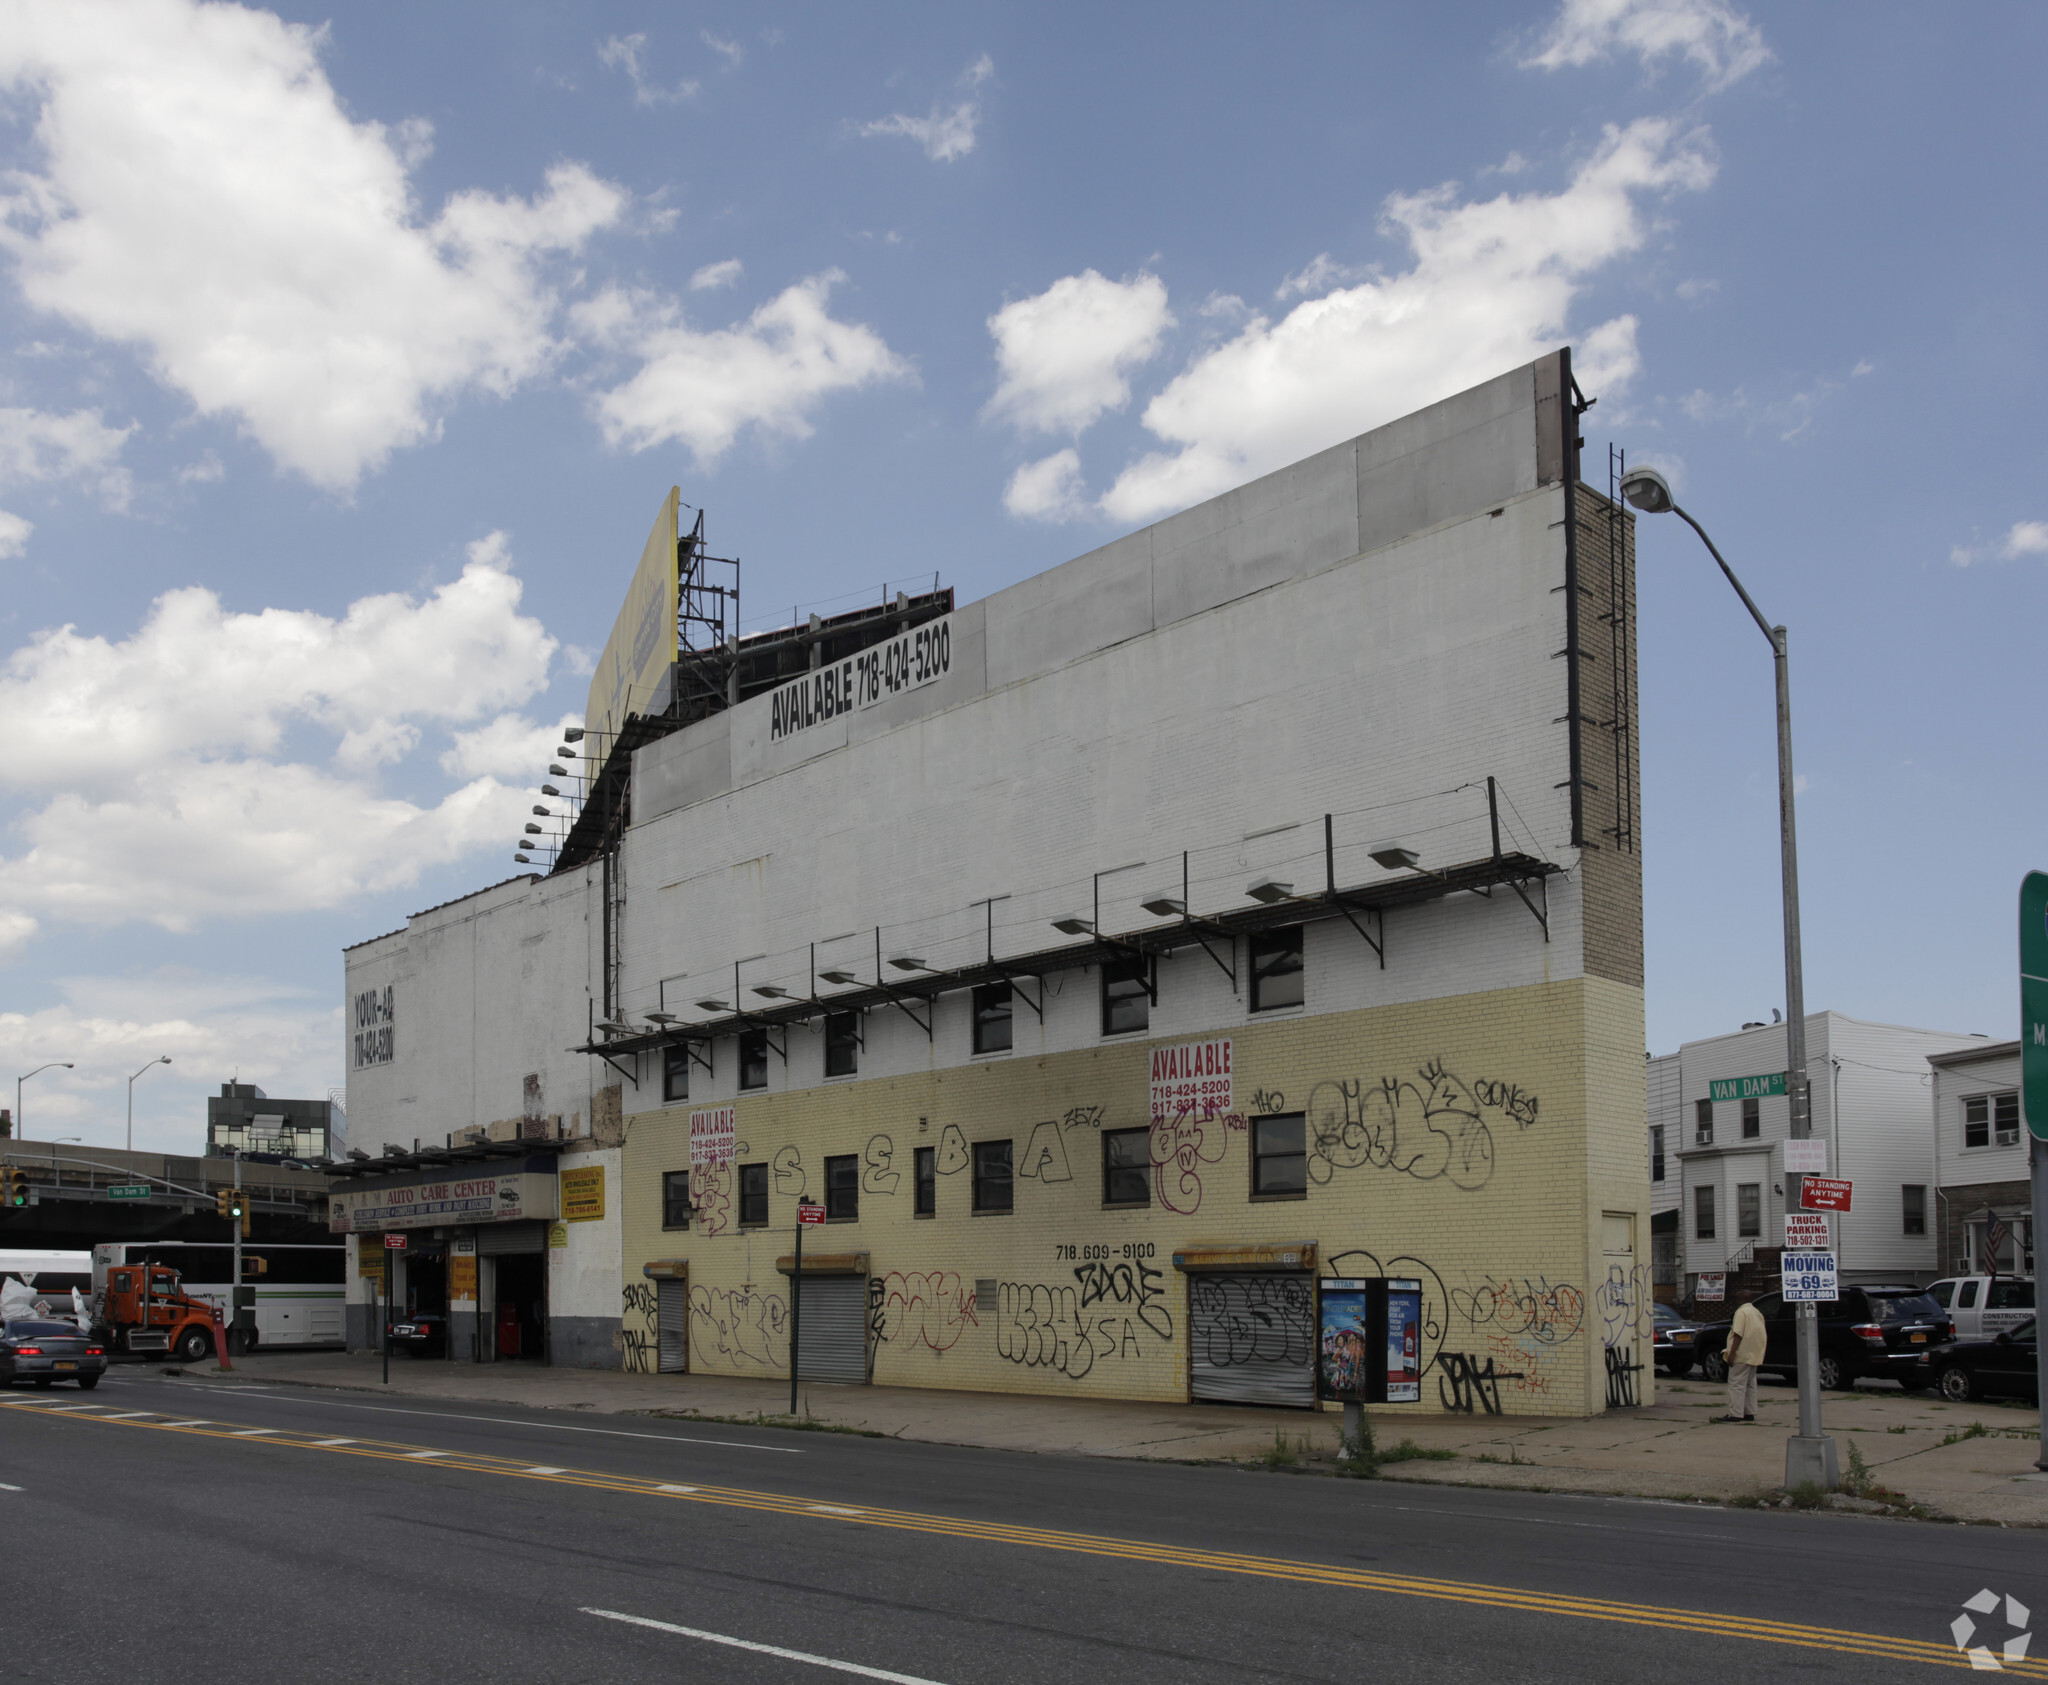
[345, 359]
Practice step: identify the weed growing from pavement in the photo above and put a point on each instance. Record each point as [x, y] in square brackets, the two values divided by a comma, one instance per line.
[1856, 1479]
[805, 1423]
[1409, 1452]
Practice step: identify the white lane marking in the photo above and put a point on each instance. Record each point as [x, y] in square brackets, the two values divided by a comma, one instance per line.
[128, 1415]
[250, 1433]
[426, 1453]
[675, 1488]
[762, 1649]
[834, 1509]
[334, 1442]
[513, 1422]
[4, 1487]
[542, 1468]
[200, 1423]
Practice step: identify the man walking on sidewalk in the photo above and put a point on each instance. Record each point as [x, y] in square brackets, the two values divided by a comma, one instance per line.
[1744, 1351]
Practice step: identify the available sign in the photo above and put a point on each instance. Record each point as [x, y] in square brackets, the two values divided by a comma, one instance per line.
[129, 1190]
[1747, 1088]
[1806, 1231]
[909, 661]
[1191, 1081]
[1809, 1277]
[1817, 1193]
[714, 1134]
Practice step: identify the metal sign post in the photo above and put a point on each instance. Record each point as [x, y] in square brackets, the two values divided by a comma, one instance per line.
[2034, 1096]
[234, 1332]
[806, 1214]
[392, 1243]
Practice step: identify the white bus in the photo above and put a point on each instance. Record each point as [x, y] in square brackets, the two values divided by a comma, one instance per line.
[300, 1290]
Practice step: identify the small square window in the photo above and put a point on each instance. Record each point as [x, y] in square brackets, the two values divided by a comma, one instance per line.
[992, 1018]
[1276, 968]
[1126, 1166]
[753, 1196]
[842, 1043]
[842, 1188]
[1976, 1120]
[994, 1188]
[1280, 1155]
[1749, 1210]
[924, 1180]
[1703, 1213]
[675, 1199]
[1913, 1208]
[1703, 1123]
[1752, 1118]
[2005, 1118]
[675, 1072]
[1126, 994]
[753, 1058]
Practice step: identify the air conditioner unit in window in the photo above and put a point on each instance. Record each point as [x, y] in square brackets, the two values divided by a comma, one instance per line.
[1962, 1267]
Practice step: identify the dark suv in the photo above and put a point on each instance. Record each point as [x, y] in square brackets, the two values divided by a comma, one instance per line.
[1875, 1330]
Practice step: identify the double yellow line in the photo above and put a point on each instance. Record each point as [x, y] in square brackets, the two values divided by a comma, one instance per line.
[1832, 1640]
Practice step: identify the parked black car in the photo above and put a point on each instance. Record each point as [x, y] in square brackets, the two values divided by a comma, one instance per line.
[424, 1335]
[48, 1351]
[2001, 1367]
[1874, 1330]
[1673, 1341]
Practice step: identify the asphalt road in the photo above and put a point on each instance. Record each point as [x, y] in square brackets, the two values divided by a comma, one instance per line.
[152, 1534]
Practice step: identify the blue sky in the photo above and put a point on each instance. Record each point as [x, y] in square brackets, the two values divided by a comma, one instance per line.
[345, 359]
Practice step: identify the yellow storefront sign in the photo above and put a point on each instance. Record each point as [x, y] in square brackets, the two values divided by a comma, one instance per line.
[583, 1194]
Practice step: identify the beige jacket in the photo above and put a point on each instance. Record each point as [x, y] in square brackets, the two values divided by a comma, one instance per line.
[1746, 1341]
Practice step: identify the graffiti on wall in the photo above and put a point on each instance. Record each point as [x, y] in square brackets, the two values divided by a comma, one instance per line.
[1180, 1147]
[711, 1194]
[1623, 1366]
[637, 1344]
[925, 1308]
[1462, 1385]
[952, 1154]
[878, 1174]
[789, 1171]
[1083, 1117]
[1545, 1311]
[1045, 1155]
[1105, 1316]
[740, 1325]
[1253, 1319]
[1433, 1128]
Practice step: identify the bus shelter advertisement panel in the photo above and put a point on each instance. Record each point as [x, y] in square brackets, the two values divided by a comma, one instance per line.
[1404, 1342]
[1345, 1339]
[1370, 1341]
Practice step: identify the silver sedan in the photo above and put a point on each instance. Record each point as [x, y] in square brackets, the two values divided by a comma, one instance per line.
[48, 1351]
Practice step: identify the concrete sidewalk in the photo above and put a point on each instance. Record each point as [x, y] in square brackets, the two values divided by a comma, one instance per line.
[1972, 1462]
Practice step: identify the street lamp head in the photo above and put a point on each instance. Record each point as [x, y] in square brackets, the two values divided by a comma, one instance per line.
[1649, 491]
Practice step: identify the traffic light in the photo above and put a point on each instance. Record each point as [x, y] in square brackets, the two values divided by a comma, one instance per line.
[232, 1204]
[15, 1181]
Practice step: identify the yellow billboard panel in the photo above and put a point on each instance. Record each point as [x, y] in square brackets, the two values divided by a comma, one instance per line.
[637, 656]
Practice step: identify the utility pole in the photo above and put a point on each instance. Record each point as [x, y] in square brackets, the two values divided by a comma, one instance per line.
[235, 1292]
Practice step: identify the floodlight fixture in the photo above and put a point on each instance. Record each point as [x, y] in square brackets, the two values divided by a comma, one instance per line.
[533, 830]
[1648, 491]
[1269, 890]
[1164, 904]
[522, 860]
[611, 1026]
[566, 753]
[1393, 856]
[549, 790]
[773, 991]
[908, 962]
[557, 771]
[661, 1017]
[542, 813]
[1075, 924]
[574, 734]
[710, 1004]
[837, 974]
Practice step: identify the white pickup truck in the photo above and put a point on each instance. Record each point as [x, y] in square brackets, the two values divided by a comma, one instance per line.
[1984, 1306]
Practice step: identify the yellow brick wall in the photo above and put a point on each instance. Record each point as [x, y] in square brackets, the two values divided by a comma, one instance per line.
[1471, 1141]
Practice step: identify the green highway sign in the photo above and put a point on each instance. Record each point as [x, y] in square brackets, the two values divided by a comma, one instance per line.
[129, 1190]
[2034, 1001]
[1747, 1088]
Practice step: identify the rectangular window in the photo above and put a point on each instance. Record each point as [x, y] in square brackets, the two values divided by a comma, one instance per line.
[842, 1188]
[1749, 1210]
[1703, 1213]
[1656, 1152]
[1126, 1006]
[1752, 1118]
[675, 1199]
[1976, 1120]
[675, 1072]
[753, 1058]
[1913, 1208]
[992, 1018]
[842, 1043]
[1280, 1155]
[1276, 968]
[753, 1196]
[1703, 1123]
[1126, 1166]
[2005, 1118]
[994, 1190]
[924, 1178]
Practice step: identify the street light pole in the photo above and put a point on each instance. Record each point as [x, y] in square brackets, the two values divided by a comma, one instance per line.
[163, 1060]
[1809, 1454]
[21, 1134]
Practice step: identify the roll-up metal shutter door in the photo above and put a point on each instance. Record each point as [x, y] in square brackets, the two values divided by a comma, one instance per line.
[672, 1327]
[832, 1332]
[1251, 1338]
[495, 1240]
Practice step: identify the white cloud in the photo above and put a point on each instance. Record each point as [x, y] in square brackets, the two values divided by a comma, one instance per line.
[36, 445]
[1065, 354]
[1048, 490]
[165, 795]
[732, 52]
[1722, 43]
[622, 52]
[1491, 287]
[769, 372]
[510, 746]
[1318, 275]
[714, 275]
[198, 192]
[2025, 538]
[14, 533]
[948, 133]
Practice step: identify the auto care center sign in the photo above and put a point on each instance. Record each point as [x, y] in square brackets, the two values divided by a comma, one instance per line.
[1191, 1081]
[522, 1190]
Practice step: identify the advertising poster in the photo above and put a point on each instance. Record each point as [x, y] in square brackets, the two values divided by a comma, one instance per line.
[1404, 1342]
[1191, 1081]
[714, 1133]
[1343, 1344]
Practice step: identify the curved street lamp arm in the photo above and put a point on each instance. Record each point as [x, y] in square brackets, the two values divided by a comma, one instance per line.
[1748, 602]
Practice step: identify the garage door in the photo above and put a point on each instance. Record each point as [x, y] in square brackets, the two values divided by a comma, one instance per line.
[832, 1328]
[1251, 1338]
[672, 1327]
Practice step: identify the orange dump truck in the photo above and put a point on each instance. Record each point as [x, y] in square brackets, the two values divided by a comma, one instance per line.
[148, 1310]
